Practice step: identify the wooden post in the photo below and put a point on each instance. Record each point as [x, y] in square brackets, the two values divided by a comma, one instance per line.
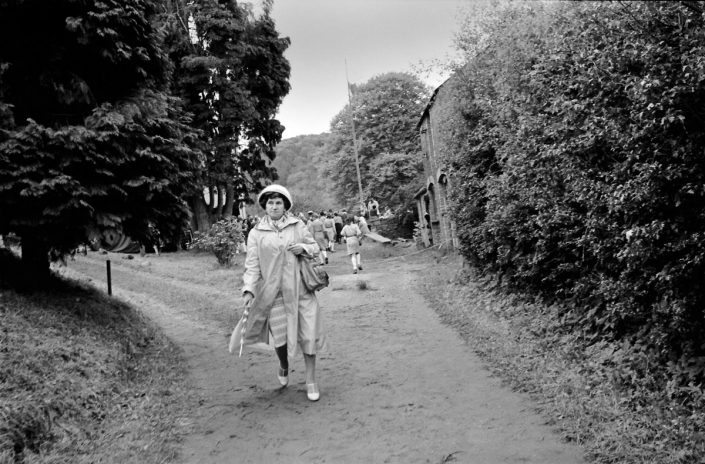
[110, 285]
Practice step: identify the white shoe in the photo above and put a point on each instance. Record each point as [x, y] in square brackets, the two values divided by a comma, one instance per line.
[312, 391]
[283, 376]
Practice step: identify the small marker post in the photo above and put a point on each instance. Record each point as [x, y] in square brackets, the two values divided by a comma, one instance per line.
[107, 269]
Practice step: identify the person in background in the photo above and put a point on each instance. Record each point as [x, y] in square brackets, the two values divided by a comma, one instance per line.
[279, 307]
[427, 228]
[315, 226]
[153, 238]
[329, 227]
[249, 224]
[373, 207]
[362, 223]
[351, 233]
[242, 225]
[338, 226]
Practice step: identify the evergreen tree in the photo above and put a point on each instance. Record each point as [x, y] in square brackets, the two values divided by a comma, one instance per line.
[89, 140]
[231, 72]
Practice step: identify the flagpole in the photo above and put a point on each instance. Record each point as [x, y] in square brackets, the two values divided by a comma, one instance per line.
[352, 125]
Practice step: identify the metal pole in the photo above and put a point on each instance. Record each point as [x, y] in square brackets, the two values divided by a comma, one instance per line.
[352, 124]
[110, 284]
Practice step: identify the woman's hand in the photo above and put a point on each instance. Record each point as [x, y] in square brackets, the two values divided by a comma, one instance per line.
[296, 248]
[247, 298]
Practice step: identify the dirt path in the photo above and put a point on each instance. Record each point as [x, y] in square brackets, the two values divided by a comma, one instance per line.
[396, 385]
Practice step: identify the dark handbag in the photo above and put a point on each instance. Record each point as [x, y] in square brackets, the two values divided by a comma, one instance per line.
[313, 276]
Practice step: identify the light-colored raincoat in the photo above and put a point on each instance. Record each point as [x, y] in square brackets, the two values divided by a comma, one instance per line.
[271, 269]
[319, 233]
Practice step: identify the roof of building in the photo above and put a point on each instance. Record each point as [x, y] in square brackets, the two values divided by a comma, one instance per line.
[420, 192]
[430, 103]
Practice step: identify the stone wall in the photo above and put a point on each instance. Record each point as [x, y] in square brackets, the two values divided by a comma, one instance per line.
[388, 227]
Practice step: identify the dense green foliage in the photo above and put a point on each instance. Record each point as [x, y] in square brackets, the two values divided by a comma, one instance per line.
[301, 165]
[320, 169]
[114, 114]
[223, 239]
[387, 109]
[80, 152]
[230, 70]
[575, 143]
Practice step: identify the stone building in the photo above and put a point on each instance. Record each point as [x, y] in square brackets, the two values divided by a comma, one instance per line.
[432, 198]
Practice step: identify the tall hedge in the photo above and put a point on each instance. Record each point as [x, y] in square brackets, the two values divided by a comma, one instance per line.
[577, 150]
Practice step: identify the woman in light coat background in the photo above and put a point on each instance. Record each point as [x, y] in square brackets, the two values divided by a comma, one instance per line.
[351, 232]
[318, 231]
[329, 227]
[279, 306]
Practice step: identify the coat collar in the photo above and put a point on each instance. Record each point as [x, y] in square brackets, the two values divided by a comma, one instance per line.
[264, 223]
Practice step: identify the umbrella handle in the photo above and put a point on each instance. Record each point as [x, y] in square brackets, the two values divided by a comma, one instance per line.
[242, 336]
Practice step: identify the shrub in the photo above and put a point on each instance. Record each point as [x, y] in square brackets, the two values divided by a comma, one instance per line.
[576, 149]
[223, 240]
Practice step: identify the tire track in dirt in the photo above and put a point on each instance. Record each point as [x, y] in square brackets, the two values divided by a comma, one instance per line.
[396, 385]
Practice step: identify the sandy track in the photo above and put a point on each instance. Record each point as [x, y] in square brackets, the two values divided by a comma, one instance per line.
[396, 384]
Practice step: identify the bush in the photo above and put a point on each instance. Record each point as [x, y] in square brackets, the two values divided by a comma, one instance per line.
[576, 149]
[223, 239]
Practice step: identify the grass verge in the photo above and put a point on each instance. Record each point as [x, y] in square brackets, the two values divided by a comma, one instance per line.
[579, 386]
[85, 378]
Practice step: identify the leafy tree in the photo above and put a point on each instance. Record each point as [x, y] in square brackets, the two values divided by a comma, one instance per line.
[387, 109]
[89, 140]
[231, 72]
[395, 178]
[301, 164]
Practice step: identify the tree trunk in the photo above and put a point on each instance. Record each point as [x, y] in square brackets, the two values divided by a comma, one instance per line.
[212, 198]
[218, 205]
[34, 271]
[229, 200]
[201, 218]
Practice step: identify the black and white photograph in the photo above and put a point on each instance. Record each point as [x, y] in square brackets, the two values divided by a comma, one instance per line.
[352, 232]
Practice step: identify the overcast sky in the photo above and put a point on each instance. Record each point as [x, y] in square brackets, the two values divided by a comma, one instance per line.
[374, 36]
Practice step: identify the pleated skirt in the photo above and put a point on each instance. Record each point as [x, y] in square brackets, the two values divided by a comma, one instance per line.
[277, 321]
[309, 337]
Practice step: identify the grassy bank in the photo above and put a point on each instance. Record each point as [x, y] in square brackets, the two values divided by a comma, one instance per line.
[580, 387]
[85, 378]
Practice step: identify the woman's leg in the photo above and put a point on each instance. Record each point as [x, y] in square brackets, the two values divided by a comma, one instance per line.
[311, 386]
[283, 356]
[354, 261]
[357, 259]
[310, 362]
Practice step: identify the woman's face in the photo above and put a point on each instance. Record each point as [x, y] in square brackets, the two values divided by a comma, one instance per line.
[275, 208]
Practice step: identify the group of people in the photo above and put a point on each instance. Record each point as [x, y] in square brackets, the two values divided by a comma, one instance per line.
[278, 308]
[333, 227]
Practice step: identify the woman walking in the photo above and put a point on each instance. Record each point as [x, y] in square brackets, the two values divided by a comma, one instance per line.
[279, 305]
[329, 227]
[319, 234]
[351, 232]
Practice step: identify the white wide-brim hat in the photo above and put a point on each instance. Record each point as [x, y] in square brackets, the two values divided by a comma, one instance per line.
[275, 188]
